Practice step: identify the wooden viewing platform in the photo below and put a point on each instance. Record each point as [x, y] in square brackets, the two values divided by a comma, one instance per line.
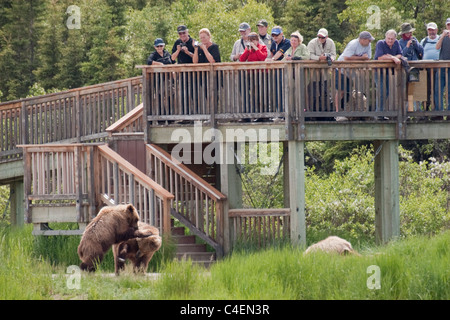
[111, 143]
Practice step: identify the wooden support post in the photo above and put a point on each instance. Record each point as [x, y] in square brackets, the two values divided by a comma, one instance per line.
[16, 189]
[231, 186]
[387, 199]
[296, 154]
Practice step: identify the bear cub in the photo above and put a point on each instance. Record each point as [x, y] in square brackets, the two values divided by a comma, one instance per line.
[113, 224]
[138, 250]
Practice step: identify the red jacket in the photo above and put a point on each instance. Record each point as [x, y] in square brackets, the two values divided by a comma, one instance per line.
[254, 55]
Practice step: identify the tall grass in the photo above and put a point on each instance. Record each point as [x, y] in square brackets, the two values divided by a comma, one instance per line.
[413, 268]
[416, 268]
[22, 276]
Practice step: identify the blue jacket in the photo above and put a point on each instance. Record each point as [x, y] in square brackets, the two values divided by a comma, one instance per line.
[414, 52]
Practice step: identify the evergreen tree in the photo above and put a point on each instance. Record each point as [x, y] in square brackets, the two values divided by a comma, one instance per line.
[50, 42]
[18, 43]
[103, 26]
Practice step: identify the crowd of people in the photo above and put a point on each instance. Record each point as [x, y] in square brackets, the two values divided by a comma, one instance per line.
[262, 46]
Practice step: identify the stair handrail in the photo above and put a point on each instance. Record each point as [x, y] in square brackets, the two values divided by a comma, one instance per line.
[184, 170]
[127, 120]
[197, 204]
[143, 192]
[66, 117]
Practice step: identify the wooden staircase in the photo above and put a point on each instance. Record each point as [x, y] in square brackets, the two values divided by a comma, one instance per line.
[188, 248]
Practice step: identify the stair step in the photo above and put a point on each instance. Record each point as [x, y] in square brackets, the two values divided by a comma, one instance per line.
[184, 239]
[178, 231]
[191, 247]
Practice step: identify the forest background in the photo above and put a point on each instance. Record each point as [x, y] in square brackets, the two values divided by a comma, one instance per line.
[46, 46]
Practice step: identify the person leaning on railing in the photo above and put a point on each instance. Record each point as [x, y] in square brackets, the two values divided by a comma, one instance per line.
[356, 50]
[444, 45]
[388, 50]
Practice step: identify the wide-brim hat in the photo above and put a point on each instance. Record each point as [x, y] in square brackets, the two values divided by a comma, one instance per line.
[405, 28]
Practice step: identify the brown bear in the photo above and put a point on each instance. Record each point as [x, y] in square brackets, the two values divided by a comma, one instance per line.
[138, 250]
[333, 244]
[112, 225]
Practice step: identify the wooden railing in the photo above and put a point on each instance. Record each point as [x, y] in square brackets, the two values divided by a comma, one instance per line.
[429, 96]
[261, 227]
[59, 176]
[196, 203]
[78, 175]
[76, 115]
[297, 91]
[120, 182]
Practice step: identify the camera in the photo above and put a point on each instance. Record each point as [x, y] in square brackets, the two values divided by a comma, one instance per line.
[249, 46]
[413, 42]
[329, 61]
[183, 44]
[196, 44]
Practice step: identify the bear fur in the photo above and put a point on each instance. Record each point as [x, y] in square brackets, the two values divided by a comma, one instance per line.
[332, 244]
[138, 250]
[113, 224]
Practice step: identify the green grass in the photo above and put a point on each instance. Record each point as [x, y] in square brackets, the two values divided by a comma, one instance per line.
[413, 268]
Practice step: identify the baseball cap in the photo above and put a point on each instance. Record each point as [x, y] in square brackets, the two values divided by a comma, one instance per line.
[244, 26]
[323, 32]
[182, 28]
[159, 42]
[432, 25]
[276, 30]
[262, 23]
[448, 21]
[366, 35]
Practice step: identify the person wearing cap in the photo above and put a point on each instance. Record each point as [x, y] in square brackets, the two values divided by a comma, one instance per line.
[262, 31]
[183, 48]
[429, 43]
[160, 56]
[321, 46]
[297, 51]
[412, 49]
[279, 44]
[240, 45]
[444, 45]
[359, 49]
[431, 53]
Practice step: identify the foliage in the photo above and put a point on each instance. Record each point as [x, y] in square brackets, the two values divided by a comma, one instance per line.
[116, 35]
[341, 200]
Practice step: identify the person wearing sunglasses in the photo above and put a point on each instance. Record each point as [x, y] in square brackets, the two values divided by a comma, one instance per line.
[322, 47]
[183, 48]
[160, 56]
[279, 45]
